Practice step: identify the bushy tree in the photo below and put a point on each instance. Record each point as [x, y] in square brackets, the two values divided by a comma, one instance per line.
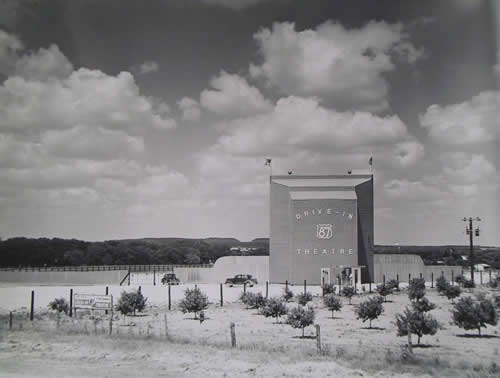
[442, 284]
[423, 305]
[418, 323]
[384, 291]
[392, 284]
[253, 300]
[274, 307]
[287, 294]
[495, 282]
[332, 302]
[416, 289]
[468, 284]
[329, 289]
[59, 305]
[131, 302]
[470, 313]
[348, 291]
[301, 317]
[194, 301]
[370, 309]
[304, 298]
[460, 279]
[452, 292]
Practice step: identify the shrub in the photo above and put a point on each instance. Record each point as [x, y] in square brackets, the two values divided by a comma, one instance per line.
[348, 291]
[441, 285]
[131, 302]
[274, 307]
[392, 284]
[495, 282]
[287, 294]
[423, 305]
[332, 302]
[468, 284]
[384, 291]
[419, 323]
[416, 289]
[370, 309]
[329, 289]
[452, 292]
[460, 279]
[469, 313]
[300, 317]
[303, 298]
[194, 301]
[59, 305]
[253, 300]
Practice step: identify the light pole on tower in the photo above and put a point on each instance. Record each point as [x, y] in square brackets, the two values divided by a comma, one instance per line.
[469, 230]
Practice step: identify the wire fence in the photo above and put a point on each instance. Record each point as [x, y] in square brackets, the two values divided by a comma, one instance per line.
[101, 268]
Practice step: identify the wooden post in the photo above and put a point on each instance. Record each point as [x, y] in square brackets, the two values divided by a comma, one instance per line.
[221, 296]
[323, 286]
[107, 292]
[233, 336]
[267, 289]
[154, 277]
[397, 280]
[432, 280]
[305, 286]
[128, 276]
[71, 303]
[139, 289]
[420, 274]
[409, 278]
[490, 274]
[384, 279]
[111, 324]
[244, 287]
[169, 300]
[370, 286]
[10, 320]
[481, 277]
[452, 277]
[32, 304]
[166, 325]
[442, 273]
[318, 338]
[286, 285]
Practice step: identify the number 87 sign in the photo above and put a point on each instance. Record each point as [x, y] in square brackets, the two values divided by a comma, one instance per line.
[324, 231]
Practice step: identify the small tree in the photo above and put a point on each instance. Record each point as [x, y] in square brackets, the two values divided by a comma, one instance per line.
[287, 294]
[392, 284]
[303, 298]
[416, 289]
[470, 313]
[194, 301]
[384, 291]
[418, 323]
[348, 291]
[253, 300]
[300, 317]
[274, 307]
[460, 279]
[452, 292]
[131, 302]
[329, 289]
[332, 302]
[423, 305]
[370, 309]
[59, 305]
[441, 285]
[468, 284]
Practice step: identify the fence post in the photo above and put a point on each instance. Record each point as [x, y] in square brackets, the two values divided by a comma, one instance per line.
[432, 280]
[286, 285]
[154, 277]
[452, 277]
[305, 286]
[318, 338]
[128, 276]
[221, 296]
[267, 289]
[107, 292]
[139, 289]
[169, 301]
[490, 274]
[166, 325]
[32, 304]
[420, 275]
[383, 278]
[111, 324]
[369, 285]
[244, 287]
[442, 273]
[481, 277]
[233, 336]
[397, 280]
[10, 320]
[409, 278]
[70, 303]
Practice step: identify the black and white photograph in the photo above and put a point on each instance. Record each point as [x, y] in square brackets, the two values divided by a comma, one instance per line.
[249, 188]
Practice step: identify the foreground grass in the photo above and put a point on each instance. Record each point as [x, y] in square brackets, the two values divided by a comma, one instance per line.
[126, 354]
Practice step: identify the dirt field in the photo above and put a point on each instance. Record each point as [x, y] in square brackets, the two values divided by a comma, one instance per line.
[138, 345]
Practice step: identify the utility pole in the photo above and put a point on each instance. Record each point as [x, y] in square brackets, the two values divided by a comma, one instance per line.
[469, 230]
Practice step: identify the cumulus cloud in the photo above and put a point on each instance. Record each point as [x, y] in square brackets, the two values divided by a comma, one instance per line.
[190, 109]
[233, 4]
[467, 168]
[469, 122]
[233, 97]
[44, 64]
[413, 190]
[10, 45]
[145, 67]
[304, 123]
[344, 66]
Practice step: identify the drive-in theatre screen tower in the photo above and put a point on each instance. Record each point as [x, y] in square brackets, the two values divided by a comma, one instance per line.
[321, 229]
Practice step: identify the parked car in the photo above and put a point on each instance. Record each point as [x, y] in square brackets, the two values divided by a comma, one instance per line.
[241, 279]
[170, 278]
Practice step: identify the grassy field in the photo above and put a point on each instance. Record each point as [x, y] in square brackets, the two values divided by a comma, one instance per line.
[139, 345]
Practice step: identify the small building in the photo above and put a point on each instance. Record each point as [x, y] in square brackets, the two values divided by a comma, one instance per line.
[321, 229]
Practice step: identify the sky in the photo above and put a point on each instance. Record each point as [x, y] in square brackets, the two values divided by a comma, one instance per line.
[129, 119]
